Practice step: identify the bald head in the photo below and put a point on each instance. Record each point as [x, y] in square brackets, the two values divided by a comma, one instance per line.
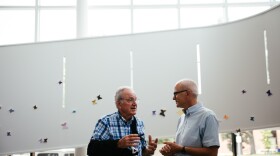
[187, 84]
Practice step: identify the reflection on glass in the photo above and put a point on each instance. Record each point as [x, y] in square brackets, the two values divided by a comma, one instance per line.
[109, 22]
[17, 26]
[57, 24]
[154, 20]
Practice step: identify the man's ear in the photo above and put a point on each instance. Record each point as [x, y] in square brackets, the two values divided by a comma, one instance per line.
[118, 104]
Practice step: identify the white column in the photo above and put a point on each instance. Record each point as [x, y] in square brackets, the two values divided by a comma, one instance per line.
[239, 144]
[81, 151]
[82, 11]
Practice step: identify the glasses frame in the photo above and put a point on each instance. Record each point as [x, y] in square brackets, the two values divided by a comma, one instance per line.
[130, 100]
[178, 92]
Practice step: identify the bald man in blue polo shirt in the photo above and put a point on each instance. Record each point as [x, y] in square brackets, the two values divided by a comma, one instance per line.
[197, 131]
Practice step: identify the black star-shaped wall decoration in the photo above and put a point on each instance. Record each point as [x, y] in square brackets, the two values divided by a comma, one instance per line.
[45, 140]
[162, 112]
[9, 134]
[35, 107]
[244, 91]
[11, 110]
[99, 97]
[59, 82]
[268, 93]
[252, 118]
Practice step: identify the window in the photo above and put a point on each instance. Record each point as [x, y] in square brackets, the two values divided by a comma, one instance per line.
[154, 20]
[200, 1]
[259, 142]
[17, 3]
[246, 1]
[47, 154]
[102, 22]
[154, 2]
[24, 22]
[17, 26]
[203, 16]
[235, 13]
[57, 2]
[57, 24]
[252, 142]
[108, 2]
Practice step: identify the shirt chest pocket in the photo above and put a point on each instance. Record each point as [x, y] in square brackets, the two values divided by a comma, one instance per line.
[192, 137]
[117, 132]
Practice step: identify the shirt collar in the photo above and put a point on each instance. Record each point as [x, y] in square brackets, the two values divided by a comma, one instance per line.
[192, 109]
[123, 119]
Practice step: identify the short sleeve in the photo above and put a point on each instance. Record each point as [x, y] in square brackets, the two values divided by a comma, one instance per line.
[211, 132]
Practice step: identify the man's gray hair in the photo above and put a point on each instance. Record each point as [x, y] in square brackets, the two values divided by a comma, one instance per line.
[119, 92]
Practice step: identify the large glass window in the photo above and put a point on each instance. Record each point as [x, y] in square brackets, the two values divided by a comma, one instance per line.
[17, 26]
[56, 19]
[17, 3]
[259, 142]
[108, 2]
[154, 20]
[200, 1]
[225, 144]
[57, 24]
[203, 16]
[102, 22]
[235, 13]
[57, 2]
[246, 1]
[154, 2]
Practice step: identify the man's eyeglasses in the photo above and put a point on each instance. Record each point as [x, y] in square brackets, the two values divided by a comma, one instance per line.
[175, 93]
[130, 100]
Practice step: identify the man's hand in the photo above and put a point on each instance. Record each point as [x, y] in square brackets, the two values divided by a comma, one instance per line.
[129, 140]
[152, 146]
[170, 148]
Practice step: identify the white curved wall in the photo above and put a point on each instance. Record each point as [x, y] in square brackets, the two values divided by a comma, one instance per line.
[232, 59]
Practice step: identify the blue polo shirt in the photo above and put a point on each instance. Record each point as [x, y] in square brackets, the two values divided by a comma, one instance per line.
[198, 127]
